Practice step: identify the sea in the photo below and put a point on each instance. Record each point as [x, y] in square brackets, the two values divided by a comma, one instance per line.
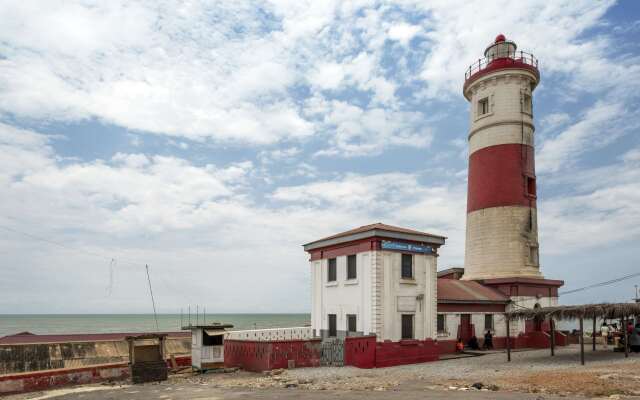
[112, 323]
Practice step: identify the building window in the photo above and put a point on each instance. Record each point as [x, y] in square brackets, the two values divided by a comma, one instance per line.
[352, 272]
[483, 106]
[407, 266]
[488, 322]
[333, 325]
[352, 323]
[407, 326]
[526, 104]
[442, 323]
[332, 275]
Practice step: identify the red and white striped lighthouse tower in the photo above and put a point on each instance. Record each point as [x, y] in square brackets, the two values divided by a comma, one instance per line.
[502, 229]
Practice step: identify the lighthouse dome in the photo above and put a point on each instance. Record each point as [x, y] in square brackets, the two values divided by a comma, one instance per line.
[500, 48]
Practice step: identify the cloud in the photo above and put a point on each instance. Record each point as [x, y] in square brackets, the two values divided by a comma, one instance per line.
[403, 32]
[600, 210]
[360, 132]
[586, 135]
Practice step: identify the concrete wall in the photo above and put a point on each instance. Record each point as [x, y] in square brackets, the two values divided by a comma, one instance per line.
[378, 297]
[20, 358]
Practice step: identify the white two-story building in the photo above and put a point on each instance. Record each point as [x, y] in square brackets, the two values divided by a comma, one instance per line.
[375, 279]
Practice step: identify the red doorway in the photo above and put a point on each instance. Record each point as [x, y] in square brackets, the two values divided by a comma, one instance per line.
[465, 327]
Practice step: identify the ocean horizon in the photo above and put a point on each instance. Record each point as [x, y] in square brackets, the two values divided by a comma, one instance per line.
[112, 323]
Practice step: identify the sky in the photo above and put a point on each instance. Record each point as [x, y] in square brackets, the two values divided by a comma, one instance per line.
[210, 140]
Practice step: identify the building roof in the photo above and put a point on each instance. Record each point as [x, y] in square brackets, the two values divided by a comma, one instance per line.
[451, 271]
[377, 229]
[457, 291]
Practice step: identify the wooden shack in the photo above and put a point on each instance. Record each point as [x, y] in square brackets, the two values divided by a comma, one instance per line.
[146, 358]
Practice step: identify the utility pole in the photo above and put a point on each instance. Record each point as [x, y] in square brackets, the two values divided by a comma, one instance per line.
[637, 299]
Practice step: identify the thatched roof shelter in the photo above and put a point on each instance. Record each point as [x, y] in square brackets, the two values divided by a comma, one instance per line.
[581, 312]
[589, 311]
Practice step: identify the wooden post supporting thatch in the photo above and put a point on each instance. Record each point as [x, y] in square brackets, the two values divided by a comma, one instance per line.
[626, 336]
[593, 335]
[553, 336]
[508, 340]
[582, 340]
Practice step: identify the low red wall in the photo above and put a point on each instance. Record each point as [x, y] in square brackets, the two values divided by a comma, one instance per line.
[403, 352]
[263, 356]
[49, 379]
[561, 339]
[360, 351]
[538, 340]
[43, 380]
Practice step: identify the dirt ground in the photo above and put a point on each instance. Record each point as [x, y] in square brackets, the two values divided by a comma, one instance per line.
[605, 374]
[530, 375]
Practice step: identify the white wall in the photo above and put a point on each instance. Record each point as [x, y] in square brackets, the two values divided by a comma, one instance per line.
[378, 296]
[343, 296]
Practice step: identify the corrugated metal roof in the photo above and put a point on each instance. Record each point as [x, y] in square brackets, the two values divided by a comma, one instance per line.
[467, 291]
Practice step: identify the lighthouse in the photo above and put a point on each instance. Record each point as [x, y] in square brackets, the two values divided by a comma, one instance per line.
[502, 226]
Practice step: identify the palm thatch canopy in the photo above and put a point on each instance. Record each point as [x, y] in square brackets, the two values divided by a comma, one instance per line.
[605, 310]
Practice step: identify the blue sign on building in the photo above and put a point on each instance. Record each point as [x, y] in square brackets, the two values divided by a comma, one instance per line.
[413, 248]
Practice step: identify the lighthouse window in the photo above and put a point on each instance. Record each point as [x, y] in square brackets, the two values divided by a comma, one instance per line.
[352, 267]
[533, 255]
[531, 185]
[407, 266]
[483, 106]
[331, 271]
[526, 104]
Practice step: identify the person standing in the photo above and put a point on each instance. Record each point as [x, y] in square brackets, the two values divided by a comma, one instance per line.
[604, 331]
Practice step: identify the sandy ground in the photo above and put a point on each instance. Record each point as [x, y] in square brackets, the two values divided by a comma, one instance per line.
[530, 375]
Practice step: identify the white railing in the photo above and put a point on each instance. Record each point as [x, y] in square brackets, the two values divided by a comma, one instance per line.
[272, 334]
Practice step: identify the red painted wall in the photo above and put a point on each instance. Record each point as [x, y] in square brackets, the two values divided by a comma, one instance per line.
[360, 351]
[497, 177]
[404, 352]
[263, 356]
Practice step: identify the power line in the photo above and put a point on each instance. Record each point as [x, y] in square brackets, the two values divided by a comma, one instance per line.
[595, 285]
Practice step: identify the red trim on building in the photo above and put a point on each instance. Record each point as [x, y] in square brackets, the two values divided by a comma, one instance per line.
[498, 64]
[497, 177]
[525, 286]
[359, 246]
[470, 308]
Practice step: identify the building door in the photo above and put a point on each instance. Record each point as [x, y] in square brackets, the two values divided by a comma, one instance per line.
[465, 327]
